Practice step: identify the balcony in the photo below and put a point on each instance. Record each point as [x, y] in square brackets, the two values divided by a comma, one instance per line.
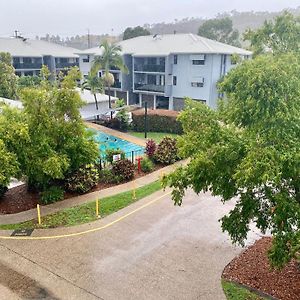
[62, 65]
[150, 88]
[19, 66]
[149, 68]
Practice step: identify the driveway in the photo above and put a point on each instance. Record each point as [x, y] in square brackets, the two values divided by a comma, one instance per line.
[158, 252]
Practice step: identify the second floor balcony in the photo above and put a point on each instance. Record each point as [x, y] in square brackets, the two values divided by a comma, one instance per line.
[149, 68]
[150, 88]
[27, 65]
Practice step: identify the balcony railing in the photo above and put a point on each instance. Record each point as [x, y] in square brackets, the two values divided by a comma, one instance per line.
[150, 88]
[149, 68]
[27, 65]
[62, 65]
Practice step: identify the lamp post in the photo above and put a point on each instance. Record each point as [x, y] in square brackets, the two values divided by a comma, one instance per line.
[145, 125]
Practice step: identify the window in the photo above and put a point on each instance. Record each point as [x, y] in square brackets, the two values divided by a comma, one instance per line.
[27, 60]
[175, 59]
[198, 62]
[86, 59]
[174, 80]
[197, 84]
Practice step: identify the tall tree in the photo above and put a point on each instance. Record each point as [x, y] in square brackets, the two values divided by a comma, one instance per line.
[220, 30]
[48, 136]
[279, 36]
[130, 32]
[94, 84]
[249, 149]
[8, 79]
[111, 58]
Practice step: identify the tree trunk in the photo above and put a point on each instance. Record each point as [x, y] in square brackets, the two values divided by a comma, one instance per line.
[109, 101]
[96, 101]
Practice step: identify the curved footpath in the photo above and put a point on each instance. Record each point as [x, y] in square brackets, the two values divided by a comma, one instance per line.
[151, 249]
[71, 202]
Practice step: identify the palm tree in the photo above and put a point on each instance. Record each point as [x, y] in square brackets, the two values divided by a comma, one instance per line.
[111, 57]
[94, 84]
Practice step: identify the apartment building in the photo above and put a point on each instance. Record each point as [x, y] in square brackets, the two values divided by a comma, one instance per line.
[30, 55]
[164, 69]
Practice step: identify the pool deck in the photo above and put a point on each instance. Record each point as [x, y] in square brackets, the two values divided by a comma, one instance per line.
[118, 134]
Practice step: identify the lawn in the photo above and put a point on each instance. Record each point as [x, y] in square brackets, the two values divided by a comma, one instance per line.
[234, 292]
[85, 213]
[156, 136]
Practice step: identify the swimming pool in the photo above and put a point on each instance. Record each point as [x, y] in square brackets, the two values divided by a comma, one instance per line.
[107, 141]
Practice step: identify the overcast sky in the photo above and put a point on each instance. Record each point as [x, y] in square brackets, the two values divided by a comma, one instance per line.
[70, 17]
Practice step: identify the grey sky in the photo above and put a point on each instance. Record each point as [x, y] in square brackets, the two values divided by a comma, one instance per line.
[69, 17]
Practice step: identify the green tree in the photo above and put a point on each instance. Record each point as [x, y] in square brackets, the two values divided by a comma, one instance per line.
[249, 149]
[220, 30]
[110, 58]
[130, 32]
[8, 79]
[48, 136]
[9, 167]
[94, 84]
[279, 36]
[28, 81]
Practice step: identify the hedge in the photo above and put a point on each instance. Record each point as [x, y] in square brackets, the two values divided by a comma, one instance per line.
[158, 120]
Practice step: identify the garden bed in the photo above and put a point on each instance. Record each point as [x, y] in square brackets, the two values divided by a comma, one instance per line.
[252, 269]
[19, 199]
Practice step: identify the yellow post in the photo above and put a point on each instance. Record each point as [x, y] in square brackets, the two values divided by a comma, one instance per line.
[39, 214]
[97, 208]
[161, 175]
[134, 191]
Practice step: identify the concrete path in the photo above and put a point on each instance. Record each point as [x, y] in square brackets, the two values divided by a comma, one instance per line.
[158, 252]
[71, 202]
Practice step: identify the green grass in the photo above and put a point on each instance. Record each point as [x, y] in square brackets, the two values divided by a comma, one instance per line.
[234, 292]
[156, 136]
[85, 213]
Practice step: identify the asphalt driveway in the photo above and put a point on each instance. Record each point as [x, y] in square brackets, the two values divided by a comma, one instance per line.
[158, 252]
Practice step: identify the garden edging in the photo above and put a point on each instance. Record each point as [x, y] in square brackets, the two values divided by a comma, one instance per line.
[71, 202]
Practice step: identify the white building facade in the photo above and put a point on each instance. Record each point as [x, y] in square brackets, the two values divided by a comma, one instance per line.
[164, 69]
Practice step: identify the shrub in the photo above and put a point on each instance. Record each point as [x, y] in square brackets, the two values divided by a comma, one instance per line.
[150, 148]
[158, 120]
[123, 168]
[123, 118]
[167, 151]
[51, 195]
[147, 165]
[107, 176]
[109, 154]
[113, 123]
[83, 179]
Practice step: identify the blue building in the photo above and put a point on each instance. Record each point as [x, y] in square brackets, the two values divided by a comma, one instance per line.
[164, 69]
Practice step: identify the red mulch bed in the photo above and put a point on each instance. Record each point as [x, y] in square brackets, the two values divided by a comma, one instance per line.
[19, 199]
[253, 269]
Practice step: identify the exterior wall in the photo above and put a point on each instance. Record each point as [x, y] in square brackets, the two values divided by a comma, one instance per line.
[187, 73]
[215, 67]
[85, 67]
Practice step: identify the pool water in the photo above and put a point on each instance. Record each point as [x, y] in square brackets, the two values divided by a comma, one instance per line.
[107, 141]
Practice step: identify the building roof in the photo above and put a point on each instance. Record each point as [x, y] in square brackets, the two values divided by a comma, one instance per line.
[164, 45]
[35, 48]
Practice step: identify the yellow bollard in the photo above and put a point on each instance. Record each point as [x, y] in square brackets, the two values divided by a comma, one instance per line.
[39, 214]
[97, 208]
[134, 191]
[161, 175]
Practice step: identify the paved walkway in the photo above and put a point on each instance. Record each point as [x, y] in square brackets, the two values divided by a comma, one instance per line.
[71, 202]
[158, 252]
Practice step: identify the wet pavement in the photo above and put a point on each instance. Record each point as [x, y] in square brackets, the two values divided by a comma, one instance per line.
[159, 252]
